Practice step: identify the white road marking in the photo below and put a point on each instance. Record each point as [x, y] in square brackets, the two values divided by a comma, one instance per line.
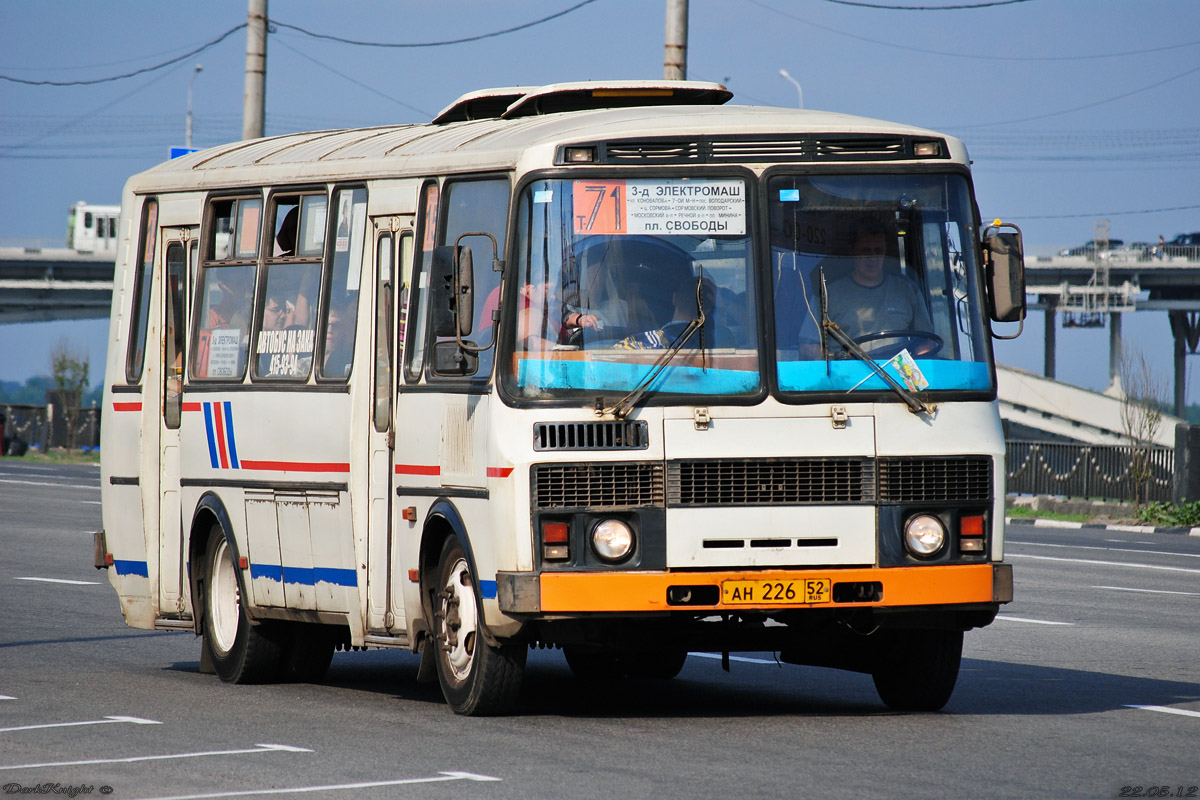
[1110, 549]
[61, 580]
[1007, 618]
[260, 748]
[49, 483]
[1146, 591]
[746, 659]
[105, 721]
[1168, 710]
[6, 697]
[1132, 564]
[441, 777]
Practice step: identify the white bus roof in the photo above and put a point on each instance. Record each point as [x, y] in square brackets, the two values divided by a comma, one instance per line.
[498, 143]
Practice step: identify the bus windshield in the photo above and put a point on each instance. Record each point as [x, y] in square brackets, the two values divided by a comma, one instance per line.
[894, 255]
[640, 283]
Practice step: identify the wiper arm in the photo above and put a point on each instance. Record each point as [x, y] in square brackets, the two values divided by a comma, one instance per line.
[840, 336]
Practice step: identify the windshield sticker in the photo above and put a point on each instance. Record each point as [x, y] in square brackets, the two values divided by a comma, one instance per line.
[543, 196]
[910, 373]
[789, 195]
[660, 206]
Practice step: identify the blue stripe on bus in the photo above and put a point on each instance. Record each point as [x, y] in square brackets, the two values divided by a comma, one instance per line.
[212, 439]
[487, 590]
[305, 576]
[233, 459]
[131, 568]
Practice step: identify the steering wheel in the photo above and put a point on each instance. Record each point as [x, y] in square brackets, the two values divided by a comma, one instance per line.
[885, 344]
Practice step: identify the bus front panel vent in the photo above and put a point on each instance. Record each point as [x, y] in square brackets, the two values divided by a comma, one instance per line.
[606, 484]
[938, 479]
[770, 481]
[591, 435]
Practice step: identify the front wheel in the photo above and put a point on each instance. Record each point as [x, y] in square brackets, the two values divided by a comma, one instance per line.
[241, 651]
[477, 678]
[916, 670]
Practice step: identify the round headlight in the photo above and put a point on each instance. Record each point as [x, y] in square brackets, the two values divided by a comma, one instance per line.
[612, 540]
[924, 535]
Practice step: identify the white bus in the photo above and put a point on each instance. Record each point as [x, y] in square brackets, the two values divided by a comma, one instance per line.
[606, 367]
[92, 228]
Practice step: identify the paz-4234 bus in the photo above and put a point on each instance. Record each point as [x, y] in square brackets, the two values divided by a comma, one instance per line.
[613, 368]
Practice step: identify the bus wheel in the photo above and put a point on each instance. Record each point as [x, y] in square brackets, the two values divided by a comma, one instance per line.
[307, 653]
[916, 669]
[656, 665]
[477, 678]
[241, 652]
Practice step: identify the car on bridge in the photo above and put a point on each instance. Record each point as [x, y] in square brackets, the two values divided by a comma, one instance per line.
[1185, 244]
[1091, 247]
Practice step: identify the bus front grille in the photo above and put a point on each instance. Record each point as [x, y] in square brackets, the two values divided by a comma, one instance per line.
[771, 481]
[591, 435]
[935, 479]
[598, 485]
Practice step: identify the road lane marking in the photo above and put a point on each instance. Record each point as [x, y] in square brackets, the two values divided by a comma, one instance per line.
[746, 659]
[6, 697]
[61, 580]
[1168, 710]
[105, 721]
[1132, 564]
[1007, 618]
[1110, 549]
[1146, 591]
[259, 748]
[48, 483]
[441, 777]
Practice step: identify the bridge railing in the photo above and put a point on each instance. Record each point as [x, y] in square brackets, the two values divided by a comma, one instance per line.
[1105, 472]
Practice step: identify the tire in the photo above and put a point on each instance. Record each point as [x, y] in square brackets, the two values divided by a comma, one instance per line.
[241, 652]
[307, 651]
[477, 679]
[916, 670]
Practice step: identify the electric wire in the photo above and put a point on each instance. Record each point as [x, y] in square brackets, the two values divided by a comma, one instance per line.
[960, 7]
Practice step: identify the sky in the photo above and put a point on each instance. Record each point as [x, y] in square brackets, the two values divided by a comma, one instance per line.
[1073, 112]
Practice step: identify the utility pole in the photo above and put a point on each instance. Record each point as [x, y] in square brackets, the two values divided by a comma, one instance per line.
[675, 58]
[255, 104]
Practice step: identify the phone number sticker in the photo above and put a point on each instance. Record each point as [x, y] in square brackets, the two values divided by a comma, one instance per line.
[659, 206]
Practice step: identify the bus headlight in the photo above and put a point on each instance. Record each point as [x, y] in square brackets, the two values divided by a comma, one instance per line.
[612, 540]
[924, 535]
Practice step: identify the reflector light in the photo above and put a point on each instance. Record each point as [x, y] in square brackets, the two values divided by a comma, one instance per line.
[414, 575]
[555, 533]
[971, 545]
[927, 149]
[971, 526]
[108, 559]
[244, 562]
[410, 513]
[580, 155]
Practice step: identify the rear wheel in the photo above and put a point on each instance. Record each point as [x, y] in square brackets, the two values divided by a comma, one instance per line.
[916, 670]
[477, 678]
[241, 652]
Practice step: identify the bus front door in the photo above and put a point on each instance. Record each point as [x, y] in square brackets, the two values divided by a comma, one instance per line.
[179, 248]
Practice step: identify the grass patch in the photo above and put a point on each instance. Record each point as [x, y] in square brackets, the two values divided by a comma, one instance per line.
[1024, 512]
[59, 456]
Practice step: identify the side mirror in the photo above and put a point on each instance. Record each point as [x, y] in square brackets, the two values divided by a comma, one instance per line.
[451, 294]
[1004, 262]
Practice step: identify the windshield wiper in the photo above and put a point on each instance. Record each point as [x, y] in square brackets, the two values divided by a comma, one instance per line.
[626, 404]
[831, 329]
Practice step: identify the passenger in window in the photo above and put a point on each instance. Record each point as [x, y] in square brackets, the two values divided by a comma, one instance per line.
[339, 342]
[285, 237]
[233, 305]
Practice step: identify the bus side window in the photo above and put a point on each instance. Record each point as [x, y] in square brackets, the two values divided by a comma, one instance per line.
[479, 205]
[385, 282]
[175, 286]
[135, 358]
[414, 355]
[340, 311]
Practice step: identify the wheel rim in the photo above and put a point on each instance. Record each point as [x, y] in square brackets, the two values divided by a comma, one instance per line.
[224, 605]
[459, 620]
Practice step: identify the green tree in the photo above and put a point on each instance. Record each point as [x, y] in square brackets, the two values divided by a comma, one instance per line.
[69, 368]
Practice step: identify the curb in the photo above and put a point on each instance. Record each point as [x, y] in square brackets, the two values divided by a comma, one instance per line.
[1095, 526]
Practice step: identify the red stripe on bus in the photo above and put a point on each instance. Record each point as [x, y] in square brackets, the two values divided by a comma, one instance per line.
[192, 407]
[296, 466]
[417, 469]
[499, 472]
[127, 406]
[219, 427]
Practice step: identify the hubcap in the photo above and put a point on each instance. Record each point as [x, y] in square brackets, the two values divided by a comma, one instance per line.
[459, 620]
[224, 605]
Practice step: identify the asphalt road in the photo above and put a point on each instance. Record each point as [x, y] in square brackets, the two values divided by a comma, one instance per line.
[1087, 686]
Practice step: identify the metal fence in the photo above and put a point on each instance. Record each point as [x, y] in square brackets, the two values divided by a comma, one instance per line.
[37, 426]
[1088, 471]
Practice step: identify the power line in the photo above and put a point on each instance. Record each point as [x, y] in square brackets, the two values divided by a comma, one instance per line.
[135, 73]
[463, 40]
[928, 8]
[1111, 213]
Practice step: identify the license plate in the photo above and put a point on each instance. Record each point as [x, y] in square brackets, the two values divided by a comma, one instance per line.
[808, 590]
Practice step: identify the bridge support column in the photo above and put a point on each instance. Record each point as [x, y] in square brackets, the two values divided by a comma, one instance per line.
[1185, 327]
[1049, 367]
[1116, 354]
